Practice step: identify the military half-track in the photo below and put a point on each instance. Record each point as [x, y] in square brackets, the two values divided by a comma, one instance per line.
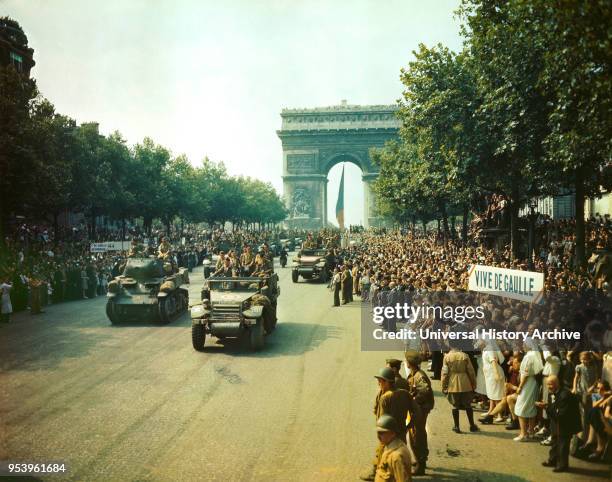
[310, 264]
[148, 289]
[236, 308]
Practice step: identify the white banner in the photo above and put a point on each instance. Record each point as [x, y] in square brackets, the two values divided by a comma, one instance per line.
[97, 248]
[109, 246]
[117, 245]
[510, 283]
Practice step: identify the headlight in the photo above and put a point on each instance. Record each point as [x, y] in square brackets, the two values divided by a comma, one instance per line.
[196, 311]
[321, 264]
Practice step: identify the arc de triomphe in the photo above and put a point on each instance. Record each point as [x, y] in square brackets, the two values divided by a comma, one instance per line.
[314, 140]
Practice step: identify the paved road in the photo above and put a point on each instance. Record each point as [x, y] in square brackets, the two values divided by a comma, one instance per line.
[138, 403]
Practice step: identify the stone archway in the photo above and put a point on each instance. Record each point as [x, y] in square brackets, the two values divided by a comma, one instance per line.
[314, 140]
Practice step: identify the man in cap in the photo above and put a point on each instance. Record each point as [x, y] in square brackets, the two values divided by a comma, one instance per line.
[396, 365]
[419, 387]
[394, 463]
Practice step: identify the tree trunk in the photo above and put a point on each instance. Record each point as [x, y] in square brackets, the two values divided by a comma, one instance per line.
[514, 232]
[464, 224]
[3, 223]
[55, 226]
[424, 227]
[444, 221]
[93, 223]
[122, 229]
[580, 228]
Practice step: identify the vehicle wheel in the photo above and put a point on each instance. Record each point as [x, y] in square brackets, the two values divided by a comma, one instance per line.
[198, 336]
[274, 316]
[184, 306]
[323, 276]
[256, 334]
[167, 308]
[269, 317]
[111, 312]
[294, 276]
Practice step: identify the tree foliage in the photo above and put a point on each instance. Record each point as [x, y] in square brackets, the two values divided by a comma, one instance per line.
[522, 111]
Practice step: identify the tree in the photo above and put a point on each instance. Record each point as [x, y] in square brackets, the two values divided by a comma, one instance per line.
[576, 75]
[17, 160]
[52, 142]
[507, 55]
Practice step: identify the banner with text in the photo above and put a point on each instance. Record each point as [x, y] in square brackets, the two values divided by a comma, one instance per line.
[510, 283]
[109, 246]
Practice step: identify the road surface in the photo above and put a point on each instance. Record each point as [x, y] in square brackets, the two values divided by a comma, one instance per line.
[138, 403]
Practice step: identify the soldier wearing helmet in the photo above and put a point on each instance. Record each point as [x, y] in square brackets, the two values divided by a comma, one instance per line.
[394, 463]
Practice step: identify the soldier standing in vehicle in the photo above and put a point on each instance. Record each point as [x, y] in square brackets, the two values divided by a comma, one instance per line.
[247, 261]
[220, 260]
[226, 270]
[164, 248]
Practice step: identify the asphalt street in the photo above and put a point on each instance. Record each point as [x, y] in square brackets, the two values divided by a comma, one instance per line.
[136, 402]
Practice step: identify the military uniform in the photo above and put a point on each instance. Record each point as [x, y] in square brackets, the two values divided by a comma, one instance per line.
[246, 261]
[397, 403]
[346, 283]
[394, 464]
[420, 388]
[164, 249]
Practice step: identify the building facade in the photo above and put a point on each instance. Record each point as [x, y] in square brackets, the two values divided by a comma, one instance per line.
[14, 48]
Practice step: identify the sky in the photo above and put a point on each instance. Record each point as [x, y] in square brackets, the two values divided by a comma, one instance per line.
[209, 77]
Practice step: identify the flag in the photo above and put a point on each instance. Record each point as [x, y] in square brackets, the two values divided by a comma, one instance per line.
[340, 202]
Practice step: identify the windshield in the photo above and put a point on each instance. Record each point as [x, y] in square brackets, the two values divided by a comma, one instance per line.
[313, 252]
[234, 284]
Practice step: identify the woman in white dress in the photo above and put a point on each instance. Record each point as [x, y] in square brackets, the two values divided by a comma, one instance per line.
[495, 380]
[528, 390]
[7, 307]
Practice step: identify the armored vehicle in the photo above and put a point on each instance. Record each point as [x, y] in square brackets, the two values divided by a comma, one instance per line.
[148, 289]
[234, 308]
[310, 264]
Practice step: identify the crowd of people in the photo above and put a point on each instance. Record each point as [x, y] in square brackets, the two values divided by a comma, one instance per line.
[557, 393]
[40, 265]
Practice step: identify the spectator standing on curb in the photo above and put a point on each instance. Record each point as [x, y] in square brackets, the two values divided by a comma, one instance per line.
[7, 308]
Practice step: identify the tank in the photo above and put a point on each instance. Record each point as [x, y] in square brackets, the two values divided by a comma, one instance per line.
[148, 290]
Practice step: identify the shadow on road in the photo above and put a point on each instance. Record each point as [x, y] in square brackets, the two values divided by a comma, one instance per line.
[477, 475]
[289, 339]
[469, 475]
[46, 352]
